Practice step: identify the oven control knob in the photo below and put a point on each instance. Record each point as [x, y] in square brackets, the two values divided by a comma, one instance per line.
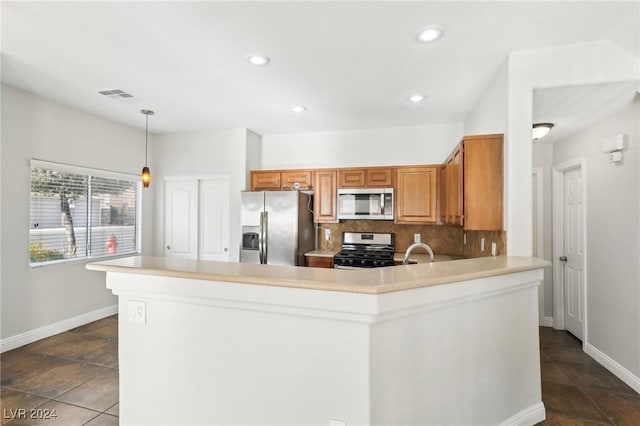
[350, 261]
[362, 262]
[376, 263]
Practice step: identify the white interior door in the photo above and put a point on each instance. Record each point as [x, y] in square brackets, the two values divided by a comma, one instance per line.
[573, 256]
[214, 219]
[181, 218]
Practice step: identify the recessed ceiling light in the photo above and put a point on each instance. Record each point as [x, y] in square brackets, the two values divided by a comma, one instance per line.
[257, 59]
[429, 34]
[540, 130]
[416, 98]
[298, 108]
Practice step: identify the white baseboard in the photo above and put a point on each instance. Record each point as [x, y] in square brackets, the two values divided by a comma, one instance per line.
[618, 370]
[56, 328]
[546, 322]
[527, 417]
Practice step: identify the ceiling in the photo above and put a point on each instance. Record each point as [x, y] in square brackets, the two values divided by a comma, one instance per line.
[353, 65]
[571, 108]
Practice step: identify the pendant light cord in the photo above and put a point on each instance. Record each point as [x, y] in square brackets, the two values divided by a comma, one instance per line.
[146, 136]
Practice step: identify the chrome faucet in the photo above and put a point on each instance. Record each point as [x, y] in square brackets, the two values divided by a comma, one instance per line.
[405, 261]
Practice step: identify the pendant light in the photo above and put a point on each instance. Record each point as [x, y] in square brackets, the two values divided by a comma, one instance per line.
[146, 174]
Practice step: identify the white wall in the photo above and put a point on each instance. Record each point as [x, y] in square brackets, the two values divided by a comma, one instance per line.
[200, 154]
[389, 146]
[253, 159]
[587, 63]
[34, 127]
[613, 227]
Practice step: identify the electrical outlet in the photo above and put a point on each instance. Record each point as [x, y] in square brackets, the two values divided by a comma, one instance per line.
[138, 311]
[327, 234]
[481, 244]
[416, 238]
[493, 249]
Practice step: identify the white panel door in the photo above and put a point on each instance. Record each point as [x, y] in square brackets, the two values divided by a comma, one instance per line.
[181, 218]
[214, 219]
[573, 253]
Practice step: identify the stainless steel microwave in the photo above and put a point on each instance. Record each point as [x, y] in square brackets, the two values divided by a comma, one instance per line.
[365, 203]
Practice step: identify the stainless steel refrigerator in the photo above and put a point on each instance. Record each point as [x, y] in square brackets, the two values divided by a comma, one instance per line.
[277, 227]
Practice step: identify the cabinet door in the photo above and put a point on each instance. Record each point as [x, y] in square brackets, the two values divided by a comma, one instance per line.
[442, 178]
[213, 208]
[457, 187]
[181, 218]
[290, 177]
[380, 178]
[324, 199]
[416, 194]
[483, 182]
[351, 178]
[264, 180]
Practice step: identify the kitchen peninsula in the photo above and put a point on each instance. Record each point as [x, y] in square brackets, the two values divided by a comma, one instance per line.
[453, 342]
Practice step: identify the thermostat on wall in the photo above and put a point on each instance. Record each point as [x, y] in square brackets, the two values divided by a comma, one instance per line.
[614, 143]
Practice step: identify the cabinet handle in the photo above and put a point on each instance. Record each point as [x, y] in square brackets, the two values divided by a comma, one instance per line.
[563, 258]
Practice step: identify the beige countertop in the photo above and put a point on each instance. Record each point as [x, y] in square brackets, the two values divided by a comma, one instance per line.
[321, 253]
[368, 281]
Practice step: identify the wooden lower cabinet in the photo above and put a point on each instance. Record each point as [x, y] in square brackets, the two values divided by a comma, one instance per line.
[320, 262]
[416, 194]
[325, 188]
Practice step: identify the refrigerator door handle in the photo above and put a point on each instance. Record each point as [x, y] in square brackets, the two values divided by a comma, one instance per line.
[265, 232]
[261, 238]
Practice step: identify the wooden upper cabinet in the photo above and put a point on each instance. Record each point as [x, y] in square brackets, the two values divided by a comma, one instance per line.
[483, 182]
[452, 189]
[416, 194]
[289, 178]
[352, 178]
[325, 184]
[262, 180]
[442, 196]
[376, 177]
[265, 180]
[380, 177]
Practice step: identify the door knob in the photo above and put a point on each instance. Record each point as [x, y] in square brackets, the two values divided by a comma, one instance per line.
[563, 258]
[168, 247]
[225, 249]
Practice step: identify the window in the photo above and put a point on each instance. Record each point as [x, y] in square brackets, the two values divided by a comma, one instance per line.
[81, 213]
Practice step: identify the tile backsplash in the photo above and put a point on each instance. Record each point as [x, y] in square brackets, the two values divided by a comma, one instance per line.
[441, 238]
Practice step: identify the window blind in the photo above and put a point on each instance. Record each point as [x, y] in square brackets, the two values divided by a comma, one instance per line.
[82, 213]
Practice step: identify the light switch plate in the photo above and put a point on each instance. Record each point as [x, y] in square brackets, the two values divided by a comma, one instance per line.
[138, 311]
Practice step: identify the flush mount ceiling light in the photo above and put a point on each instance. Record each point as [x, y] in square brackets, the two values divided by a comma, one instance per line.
[298, 108]
[257, 59]
[417, 98]
[540, 130]
[146, 174]
[429, 34]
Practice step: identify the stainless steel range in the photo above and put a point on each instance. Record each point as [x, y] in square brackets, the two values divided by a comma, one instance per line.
[365, 250]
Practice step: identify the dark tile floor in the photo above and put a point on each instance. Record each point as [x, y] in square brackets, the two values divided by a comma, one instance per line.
[73, 375]
[576, 390]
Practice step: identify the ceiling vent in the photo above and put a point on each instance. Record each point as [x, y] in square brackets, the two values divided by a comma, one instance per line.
[116, 94]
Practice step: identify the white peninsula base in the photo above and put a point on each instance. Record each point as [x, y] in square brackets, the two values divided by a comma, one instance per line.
[222, 352]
